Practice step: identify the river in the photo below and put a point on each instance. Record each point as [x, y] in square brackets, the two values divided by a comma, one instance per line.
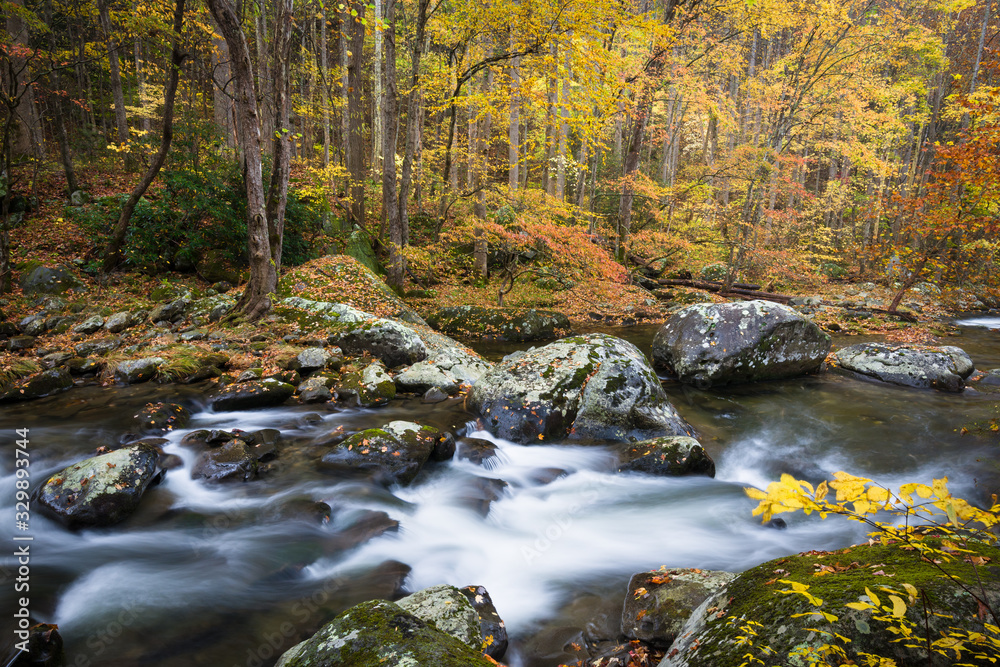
[233, 575]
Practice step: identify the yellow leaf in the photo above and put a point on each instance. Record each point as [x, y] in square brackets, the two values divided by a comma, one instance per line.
[872, 597]
[898, 606]
[912, 591]
[860, 606]
[877, 494]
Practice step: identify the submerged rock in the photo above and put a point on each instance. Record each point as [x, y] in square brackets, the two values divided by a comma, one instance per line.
[102, 490]
[233, 462]
[726, 343]
[381, 633]
[514, 324]
[666, 456]
[161, 418]
[250, 395]
[944, 368]
[593, 387]
[658, 603]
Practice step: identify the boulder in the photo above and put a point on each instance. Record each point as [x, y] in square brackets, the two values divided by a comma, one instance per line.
[727, 343]
[315, 390]
[98, 347]
[513, 324]
[381, 633]
[666, 456]
[786, 622]
[448, 610]
[232, 462]
[369, 387]
[394, 343]
[590, 388]
[99, 491]
[658, 603]
[137, 370]
[335, 312]
[447, 354]
[161, 418]
[492, 629]
[423, 375]
[39, 385]
[393, 454]
[18, 343]
[476, 450]
[168, 312]
[90, 325]
[33, 325]
[944, 368]
[124, 320]
[251, 395]
[46, 280]
[309, 360]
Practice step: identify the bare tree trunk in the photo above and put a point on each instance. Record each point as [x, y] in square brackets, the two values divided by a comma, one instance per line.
[390, 120]
[277, 191]
[256, 299]
[563, 135]
[356, 116]
[112, 255]
[116, 78]
[377, 96]
[514, 131]
[324, 75]
[414, 116]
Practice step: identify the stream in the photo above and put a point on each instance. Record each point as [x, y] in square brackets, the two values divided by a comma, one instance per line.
[236, 574]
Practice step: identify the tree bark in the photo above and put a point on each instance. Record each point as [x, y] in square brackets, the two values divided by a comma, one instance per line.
[514, 129]
[356, 115]
[281, 142]
[121, 122]
[390, 120]
[112, 256]
[413, 117]
[256, 299]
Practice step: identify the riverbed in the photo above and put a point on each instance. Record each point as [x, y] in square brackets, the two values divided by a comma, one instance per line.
[233, 575]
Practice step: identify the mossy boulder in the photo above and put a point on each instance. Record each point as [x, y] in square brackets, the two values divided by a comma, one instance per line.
[38, 385]
[98, 347]
[90, 325]
[448, 610]
[368, 387]
[359, 247]
[658, 603]
[587, 388]
[135, 371]
[49, 280]
[513, 324]
[944, 368]
[99, 491]
[381, 634]
[424, 375]
[669, 456]
[726, 343]
[394, 343]
[168, 312]
[393, 454]
[788, 623]
[251, 395]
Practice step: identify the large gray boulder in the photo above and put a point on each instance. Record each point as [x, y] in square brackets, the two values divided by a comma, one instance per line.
[381, 633]
[447, 609]
[99, 491]
[944, 368]
[591, 388]
[394, 343]
[713, 344]
[515, 324]
[46, 280]
[658, 603]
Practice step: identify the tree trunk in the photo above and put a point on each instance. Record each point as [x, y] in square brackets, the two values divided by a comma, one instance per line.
[324, 76]
[26, 135]
[377, 96]
[514, 131]
[356, 115]
[112, 256]
[390, 120]
[256, 299]
[222, 103]
[413, 117]
[281, 151]
[121, 122]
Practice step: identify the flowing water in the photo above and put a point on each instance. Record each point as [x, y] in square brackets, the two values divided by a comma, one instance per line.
[233, 575]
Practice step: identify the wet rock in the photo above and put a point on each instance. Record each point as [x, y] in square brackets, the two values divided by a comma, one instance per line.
[666, 456]
[99, 491]
[90, 325]
[263, 443]
[97, 348]
[368, 387]
[83, 366]
[161, 418]
[514, 324]
[447, 609]
[42, 647]
[424, 376]
[444, 447]
[727, 343]
[434, 395]
[169, 312]
[46, 280]
[491, 627]
[393, 454]
[18, 343]
[233, 462]
[479, 493]
[381, 633]
[315, 390]
[33, 325]
[309, 360]
[658, 603]
[251, 395]
[590, 388]
[476, 450]
[124, 320]
[395, 344]
[54, 359]
[787, 622]
[137, 370]
[944, 368]
[39, 385]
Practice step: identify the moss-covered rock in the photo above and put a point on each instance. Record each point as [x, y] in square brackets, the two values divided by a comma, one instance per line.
[591, 388]
[38, 385]
[45, 280]
[99, 491]
[135, 371]
[710, 636]
[393, 454]
[658, 603]
[726, 343]
[251, 395]
[394, 343]
[381, 634]
[667, 456]
[448, 610]
[944, 368]
[368, 387]
[514, 324]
